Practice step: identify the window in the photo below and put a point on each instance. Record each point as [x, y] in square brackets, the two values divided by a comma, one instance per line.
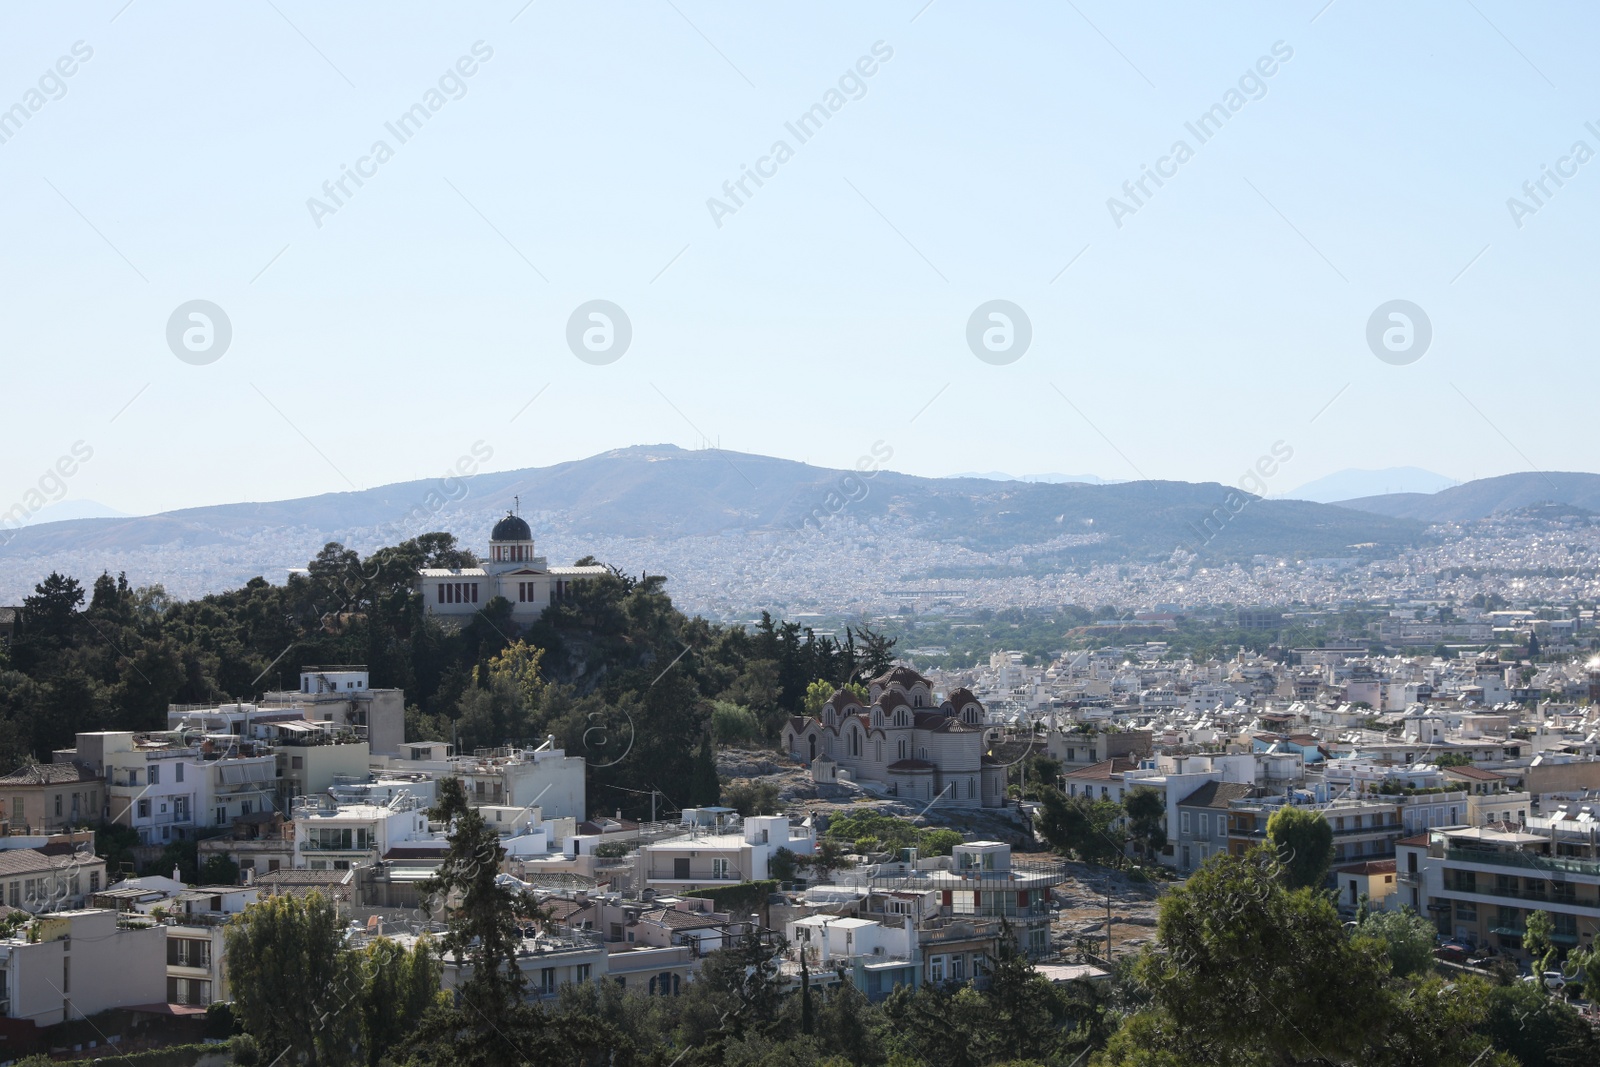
[1183, 822]
[936, 969]
[1205, 824]
[144, 809]
[719, 868]
[177, 773]
[547, 980]
[583, 971]
[155, 774]
[94, 881]
[58, 805]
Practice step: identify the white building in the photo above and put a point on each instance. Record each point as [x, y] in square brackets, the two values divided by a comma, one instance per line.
[509, 777]
[169, 785]
[706, 860]
[512, 571]
[73, 964]
[333, 836]
[333, 696]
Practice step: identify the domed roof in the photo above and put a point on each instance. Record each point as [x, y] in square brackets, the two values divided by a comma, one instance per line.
[511, 528]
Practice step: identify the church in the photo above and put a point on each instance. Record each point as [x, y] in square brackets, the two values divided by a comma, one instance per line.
[511, 570]
[916, 747]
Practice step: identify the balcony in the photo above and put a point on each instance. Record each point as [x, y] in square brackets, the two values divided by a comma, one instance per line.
[359, 846]
[958, 931]
[1526, 860]
[694, 873]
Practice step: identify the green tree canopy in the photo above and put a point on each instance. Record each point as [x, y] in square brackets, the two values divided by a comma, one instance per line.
[1303, 841]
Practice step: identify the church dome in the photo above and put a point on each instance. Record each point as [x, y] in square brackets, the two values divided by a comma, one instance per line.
[511, 528]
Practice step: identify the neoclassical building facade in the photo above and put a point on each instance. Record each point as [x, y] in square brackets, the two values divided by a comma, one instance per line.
[915, 747]
[511, 570]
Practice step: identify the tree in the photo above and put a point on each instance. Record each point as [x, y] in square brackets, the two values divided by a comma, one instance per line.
[399, 986]
[283, 959]
[1229, 982]
[1303, 842]
[483, 915]
[828, 857]
[937, 841]
[751, 796]
[821, 691]
[1408, 937]
[1080, 827]
[1538, 1029]
[219, 870]
[781, 865]
[705, 787]
[1147, 815]
[517, 666]
[1537, 940]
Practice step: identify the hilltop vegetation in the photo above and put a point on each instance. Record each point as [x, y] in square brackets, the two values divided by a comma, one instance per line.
[615, 672]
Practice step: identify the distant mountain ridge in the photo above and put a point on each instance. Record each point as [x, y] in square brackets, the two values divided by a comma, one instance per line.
[665, 492]
[1487, 496]
[1355, 483]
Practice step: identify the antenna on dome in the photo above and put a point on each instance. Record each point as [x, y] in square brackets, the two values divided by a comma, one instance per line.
[516, 505]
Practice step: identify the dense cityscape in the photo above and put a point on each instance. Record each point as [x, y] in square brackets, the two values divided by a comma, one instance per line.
[540, 534]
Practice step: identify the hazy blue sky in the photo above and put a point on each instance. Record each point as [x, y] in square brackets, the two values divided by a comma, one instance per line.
[830, 310]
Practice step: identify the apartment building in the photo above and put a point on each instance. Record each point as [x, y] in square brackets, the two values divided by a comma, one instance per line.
[78, 963]
[37, 882]
[978, 882]
[1479, 883]
[169, 785]
[1202, 829]
[704, 860]
[874, 956]
[507, 776]
[1086, 745]
[46, 797]
[333, 836]
[547, 961]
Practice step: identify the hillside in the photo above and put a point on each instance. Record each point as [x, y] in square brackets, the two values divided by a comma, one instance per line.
[664, 494]
[1487, 496]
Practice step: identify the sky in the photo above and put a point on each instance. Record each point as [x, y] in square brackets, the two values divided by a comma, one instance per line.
[970, 153]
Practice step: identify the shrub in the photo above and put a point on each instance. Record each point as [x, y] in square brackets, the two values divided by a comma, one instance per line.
[732, 722]
[242, 1047]
[748, 796]
[613, 849]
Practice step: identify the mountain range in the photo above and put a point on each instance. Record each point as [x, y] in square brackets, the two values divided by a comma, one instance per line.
[1487, 496]
[662, 493]
[1351, 483]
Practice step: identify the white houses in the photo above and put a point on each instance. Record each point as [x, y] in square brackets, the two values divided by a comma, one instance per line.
[707, 860]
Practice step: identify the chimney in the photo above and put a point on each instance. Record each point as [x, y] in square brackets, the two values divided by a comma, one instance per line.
[177, 874]
[619, 814]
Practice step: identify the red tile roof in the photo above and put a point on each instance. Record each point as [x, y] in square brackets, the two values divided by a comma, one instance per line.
[1105, 768]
